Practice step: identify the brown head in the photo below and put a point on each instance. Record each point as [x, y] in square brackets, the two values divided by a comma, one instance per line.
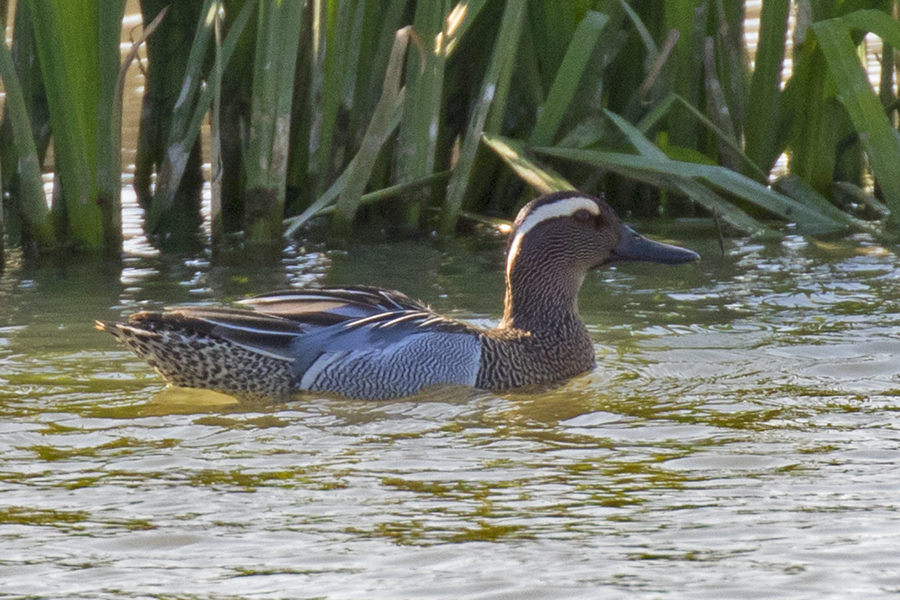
[556, 239]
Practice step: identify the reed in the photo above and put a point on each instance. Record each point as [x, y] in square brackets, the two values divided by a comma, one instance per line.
[169, 65]
[190, 109]
[37, 223]
[764, 103]
[568, 77]
[385, 119]
[277, 38]
[28, 73]
[417, 140]
[217, 225]
[400, 115]
[492, 97]
[876, 133]
[78, 46]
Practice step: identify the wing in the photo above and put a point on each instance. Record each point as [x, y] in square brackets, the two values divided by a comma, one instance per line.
[302, 325]
[359, 342]
[377, 332]
[328, 306]
[265, 334]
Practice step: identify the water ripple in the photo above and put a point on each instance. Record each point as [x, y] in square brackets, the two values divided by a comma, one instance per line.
[738, 439]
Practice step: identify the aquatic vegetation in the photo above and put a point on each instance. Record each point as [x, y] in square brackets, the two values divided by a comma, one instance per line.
[408, 116]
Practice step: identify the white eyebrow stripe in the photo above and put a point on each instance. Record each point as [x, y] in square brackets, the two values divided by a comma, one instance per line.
[561, 208]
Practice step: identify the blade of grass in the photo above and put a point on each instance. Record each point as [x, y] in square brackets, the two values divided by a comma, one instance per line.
[585, 134]
[880, 140]
[651, 82]
[132, 54]
[886, 83]
[721, 208]
[809, 125]
[217, 226]
[441, 33]
[492, 94]
[418, 136]
[372, 69]
[182, 139]
[857, 195]
[542, 180]
[568, 78]
[765, 85]
[27, 68]
[353, 52]
[175, 162]
[68, 39]
[694, 190]
[387, 104]
[2, 222]
[643, 32]
[109, 118]
[322, 202]
[331, 26]
[110, 123]
[395, 191]
[876, 22]
[384, 121]
[732, 69]
[458, 22]
[660, 110]
[552, 23]
[719, 109]
[663, 107]
[324, 205]
[31, 191]
[794, 187]
[688, 18]
[265, 161]
[808, 218]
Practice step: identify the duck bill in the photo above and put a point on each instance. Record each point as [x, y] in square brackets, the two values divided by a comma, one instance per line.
[634, 247]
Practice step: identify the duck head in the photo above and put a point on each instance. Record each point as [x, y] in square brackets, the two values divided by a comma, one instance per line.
[557, 238]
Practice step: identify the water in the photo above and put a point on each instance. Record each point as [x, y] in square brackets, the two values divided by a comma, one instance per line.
[739, 439]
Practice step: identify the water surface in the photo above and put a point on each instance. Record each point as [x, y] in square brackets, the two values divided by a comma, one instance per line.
[739, 439]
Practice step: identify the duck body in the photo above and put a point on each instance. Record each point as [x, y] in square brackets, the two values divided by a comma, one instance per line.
[358, 342]
[370, 343]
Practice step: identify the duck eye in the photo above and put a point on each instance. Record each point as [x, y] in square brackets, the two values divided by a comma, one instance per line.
[583, 216]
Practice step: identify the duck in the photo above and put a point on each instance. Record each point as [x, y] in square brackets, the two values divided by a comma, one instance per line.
[370, 343]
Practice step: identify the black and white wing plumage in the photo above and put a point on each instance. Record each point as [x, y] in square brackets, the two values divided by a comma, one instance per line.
[328, 320]
[328, 306]
[360, 342]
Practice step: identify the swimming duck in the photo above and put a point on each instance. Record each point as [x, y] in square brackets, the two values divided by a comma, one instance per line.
[370, 343]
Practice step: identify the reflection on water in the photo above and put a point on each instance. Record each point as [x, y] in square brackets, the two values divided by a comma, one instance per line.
[738, 439]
